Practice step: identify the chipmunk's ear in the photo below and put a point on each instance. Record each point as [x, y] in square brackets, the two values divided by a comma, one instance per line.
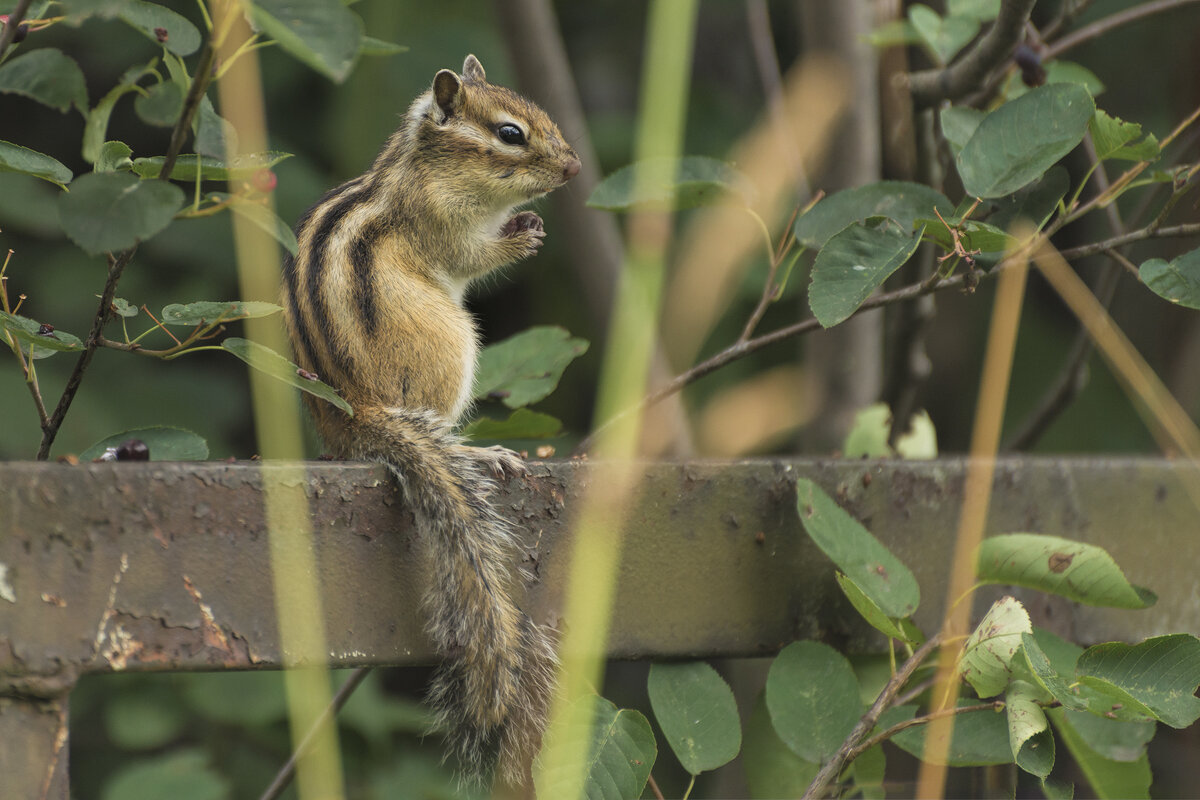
[448, 93]
[473, 70]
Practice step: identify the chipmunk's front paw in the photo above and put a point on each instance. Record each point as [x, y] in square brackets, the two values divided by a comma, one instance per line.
[526, 231]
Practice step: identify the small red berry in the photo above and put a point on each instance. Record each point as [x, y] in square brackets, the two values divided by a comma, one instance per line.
[264, 181]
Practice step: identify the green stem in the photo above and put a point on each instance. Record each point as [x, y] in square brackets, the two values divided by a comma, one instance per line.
[688, 790]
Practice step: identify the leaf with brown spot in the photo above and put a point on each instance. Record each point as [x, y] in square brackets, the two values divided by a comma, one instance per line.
[1060, 561]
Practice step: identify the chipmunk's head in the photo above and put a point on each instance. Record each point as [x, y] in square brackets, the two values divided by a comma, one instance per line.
[500, 144]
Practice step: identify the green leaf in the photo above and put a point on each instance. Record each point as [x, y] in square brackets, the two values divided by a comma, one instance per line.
[894, 33]
[1117, 139]
[943, 38]
[982, 10]
[1162, 673]
[267, 360]
[697, 713]
[377, 714]
[144, 719]
[1058, 789]
[47, 76]
[959, 124]
[521, 424]
[1074, 570]
[683, 183]
[988, 653]
[209, 312]
[269, 221]
[161, 104]
[323, 34]
[868, 435]
[164, 443]
[875, 571]
[1108, 778]
[370, 46]
[772, 769]
[1015, 144]
[854, 263]
[95, 131]
[920, 442]
[1035, 203]
[245, 699]
[1119, 740]
[869, 771]
[41, 344]
[181, 775]
[621, 752]
[79, 10]
[526, 367]
[210, 168]
[1177, 281]
[111, 211]
[214, 136]
[979, 738]
[866, 607]
[114, 157]
[1057, 72]
[1050, 679]
[181, 38]
[972, 235]
[1028, 731]
[124, 308]
[15, 158]
[812, 695]
[898, 200]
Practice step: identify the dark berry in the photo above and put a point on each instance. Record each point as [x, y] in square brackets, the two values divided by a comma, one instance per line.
[1030, 62]
[133, 450]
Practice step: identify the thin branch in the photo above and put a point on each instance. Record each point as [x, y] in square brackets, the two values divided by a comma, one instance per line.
[741, 349]
[1073, 376]
[288, 770]
[14, 22]
[883, 736]
[1141, 234]
[653, 784]
[1103, 26]
[117, 264]
[930, 87]
[833, 767]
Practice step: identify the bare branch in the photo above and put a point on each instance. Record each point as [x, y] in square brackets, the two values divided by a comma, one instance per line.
[930, 87]
[14, 22]
[288, 770]
[117, 264]
[833, 767]
[1103, 26]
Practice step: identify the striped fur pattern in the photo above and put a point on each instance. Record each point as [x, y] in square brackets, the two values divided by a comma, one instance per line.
[373, 302]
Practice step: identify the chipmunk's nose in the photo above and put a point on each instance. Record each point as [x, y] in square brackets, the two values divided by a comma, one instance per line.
[571, 169]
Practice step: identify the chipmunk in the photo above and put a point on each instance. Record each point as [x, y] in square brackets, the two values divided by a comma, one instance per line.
[374, 306]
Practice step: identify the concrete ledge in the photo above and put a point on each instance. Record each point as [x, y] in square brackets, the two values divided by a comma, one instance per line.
[165, 566]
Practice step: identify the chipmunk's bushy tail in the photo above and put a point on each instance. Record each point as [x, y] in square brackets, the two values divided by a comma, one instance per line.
[492, 693]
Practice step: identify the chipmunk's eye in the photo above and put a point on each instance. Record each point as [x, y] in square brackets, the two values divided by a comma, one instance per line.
[510, 134]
